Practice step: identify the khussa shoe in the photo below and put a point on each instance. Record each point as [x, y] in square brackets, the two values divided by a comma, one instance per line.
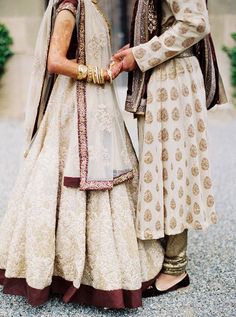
[152, 291]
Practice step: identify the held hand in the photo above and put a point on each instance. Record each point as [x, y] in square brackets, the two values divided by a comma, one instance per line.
[115, 68]
[127, 58]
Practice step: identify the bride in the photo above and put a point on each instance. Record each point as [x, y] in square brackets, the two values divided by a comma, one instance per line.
[69, 228]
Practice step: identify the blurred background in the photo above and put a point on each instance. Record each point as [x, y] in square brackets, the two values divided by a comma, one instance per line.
[22, 18]
[211, 251]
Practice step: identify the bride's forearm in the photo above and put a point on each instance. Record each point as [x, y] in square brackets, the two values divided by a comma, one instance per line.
[63, 66]
[58, 62]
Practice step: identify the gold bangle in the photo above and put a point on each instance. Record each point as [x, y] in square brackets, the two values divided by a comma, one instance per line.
[97, 76]
[82, 72]
[94, 75]
[90, 74]
[109, 72]
[102, 76]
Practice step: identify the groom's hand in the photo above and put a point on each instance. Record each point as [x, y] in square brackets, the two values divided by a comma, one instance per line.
[128, 61]
[116, 68]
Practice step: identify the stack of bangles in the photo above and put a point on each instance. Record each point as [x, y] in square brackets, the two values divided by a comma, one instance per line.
[93, 74]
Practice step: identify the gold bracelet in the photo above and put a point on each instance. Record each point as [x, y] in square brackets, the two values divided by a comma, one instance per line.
[97, 76]
[82, 72]
[90, 74]
[94, 75]
[102, 76]
[109, 72]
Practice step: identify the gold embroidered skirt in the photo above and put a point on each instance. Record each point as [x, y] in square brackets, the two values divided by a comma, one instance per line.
[57, 239]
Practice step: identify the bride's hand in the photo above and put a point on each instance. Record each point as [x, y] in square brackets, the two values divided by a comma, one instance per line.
[115, 68]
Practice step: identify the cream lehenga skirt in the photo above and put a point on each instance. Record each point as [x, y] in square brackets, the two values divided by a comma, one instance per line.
[80, 245]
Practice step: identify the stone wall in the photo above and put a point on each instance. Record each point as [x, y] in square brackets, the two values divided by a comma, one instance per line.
[22, 17]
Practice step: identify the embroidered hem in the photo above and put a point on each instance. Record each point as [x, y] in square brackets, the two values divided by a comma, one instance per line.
[85, 295]
[75, 182]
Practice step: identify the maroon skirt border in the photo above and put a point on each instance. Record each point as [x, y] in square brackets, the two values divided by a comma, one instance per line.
[85, 295]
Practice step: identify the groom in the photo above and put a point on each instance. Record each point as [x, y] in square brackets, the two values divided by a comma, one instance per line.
[174, 266]
[147, 50]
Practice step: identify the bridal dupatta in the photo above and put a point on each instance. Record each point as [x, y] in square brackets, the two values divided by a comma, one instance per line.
[103, 159]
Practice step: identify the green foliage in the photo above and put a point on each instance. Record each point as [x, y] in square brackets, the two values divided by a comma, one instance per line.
[231, 52]
[5, 51]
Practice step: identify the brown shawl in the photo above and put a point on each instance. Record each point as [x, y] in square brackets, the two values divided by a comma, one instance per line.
[204, 51]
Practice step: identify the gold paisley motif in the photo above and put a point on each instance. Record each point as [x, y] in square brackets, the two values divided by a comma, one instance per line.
[207, 183]
[196, 189]
[196, 209]
[191, 132]
[185, 90]
[172, 204]
[148, 158]
[163, 135]
[188, 42]
[174, 95]
[148, 234]
[189, 218]
[175, 114]
[178, 155]
[148, 177]
[165, 174]
[158, 207]
[153, 62]
[148, 215]
[173, 223]
[198, 106]
[170, 40]
[155, 46]
[162, 115]
[203, 145]
[194, 87]
[193, 151]
[201, 125]
[188, 111]
[188, 200]
[195, 171]
[148, 117]
[180, 174]
[181, 211]
[205, 164]
[210, 201]
[197, 225]
[214, 219]
[147, 196]
[175, 7]
[177, 135]
[165, 155]
[162, 95]
[158, 225]
[139, 53]
[181, 192]
[149, 138]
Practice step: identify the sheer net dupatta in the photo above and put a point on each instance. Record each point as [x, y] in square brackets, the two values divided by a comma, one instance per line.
[102, 160]
[41, 82]
[103, 141]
